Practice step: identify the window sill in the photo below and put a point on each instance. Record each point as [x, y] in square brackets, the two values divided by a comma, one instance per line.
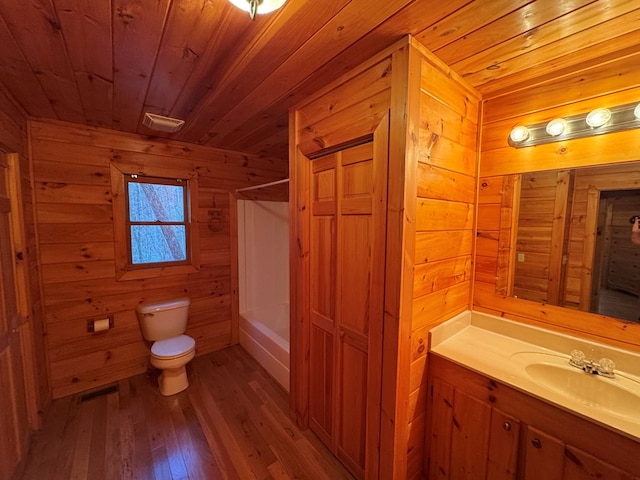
[155, 272]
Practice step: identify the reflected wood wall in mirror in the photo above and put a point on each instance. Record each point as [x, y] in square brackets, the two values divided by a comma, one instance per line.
[571, 237]
[566, 92]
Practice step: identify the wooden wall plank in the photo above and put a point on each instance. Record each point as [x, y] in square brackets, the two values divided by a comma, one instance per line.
[74, 215]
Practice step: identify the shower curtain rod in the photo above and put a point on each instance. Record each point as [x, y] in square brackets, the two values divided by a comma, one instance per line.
[263, 185]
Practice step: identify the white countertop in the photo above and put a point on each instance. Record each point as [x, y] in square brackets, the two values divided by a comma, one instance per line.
[486, 344]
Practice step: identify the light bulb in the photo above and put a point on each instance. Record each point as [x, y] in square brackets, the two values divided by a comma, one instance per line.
[519, 134]
[257, 6]
[598, 117]
[636, 112]
[556, 127]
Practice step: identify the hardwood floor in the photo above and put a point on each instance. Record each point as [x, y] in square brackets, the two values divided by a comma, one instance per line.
[231, 423]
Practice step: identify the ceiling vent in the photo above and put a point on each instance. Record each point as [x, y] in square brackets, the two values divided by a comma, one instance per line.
[162, 124]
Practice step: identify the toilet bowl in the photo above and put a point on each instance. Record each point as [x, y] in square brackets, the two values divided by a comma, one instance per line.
[171, 356]
[164, 323]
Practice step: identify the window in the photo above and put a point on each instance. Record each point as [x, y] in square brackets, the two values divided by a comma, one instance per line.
[157, 220]
[155, 229]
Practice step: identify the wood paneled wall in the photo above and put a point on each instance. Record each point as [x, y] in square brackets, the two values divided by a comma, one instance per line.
[76, 243]
[431, 194]
[609, 84]
[23, 367]
[445, 171]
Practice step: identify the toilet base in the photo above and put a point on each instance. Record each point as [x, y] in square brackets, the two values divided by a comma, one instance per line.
[173, 380]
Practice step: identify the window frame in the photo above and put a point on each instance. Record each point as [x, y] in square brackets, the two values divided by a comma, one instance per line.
[121, 173]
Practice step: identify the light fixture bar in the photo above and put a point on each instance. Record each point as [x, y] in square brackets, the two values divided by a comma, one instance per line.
[622, 118]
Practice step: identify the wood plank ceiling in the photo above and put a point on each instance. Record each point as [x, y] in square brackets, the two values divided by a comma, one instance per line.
[106, 62]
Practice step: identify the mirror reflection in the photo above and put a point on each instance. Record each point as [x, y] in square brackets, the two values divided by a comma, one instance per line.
[573, 243]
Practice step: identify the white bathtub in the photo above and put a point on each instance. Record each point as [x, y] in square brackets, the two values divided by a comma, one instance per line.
[264, 333]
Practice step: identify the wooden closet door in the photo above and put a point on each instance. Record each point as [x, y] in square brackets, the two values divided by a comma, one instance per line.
[14, 428]
[346, 289]
[354, 279]
[322, 289]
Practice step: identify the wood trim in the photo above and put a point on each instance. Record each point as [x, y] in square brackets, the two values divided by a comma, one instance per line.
[556, 265]
[376, 332]
[22, 288]
[590, 230]
[299, 231]
[121, 242]
[235, 287]
[507, 234]
[400, 253]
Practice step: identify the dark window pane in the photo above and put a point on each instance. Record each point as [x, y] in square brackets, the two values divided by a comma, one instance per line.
[155, 244]
[156, 203]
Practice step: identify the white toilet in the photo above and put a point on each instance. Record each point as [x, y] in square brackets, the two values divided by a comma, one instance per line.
[164, 323]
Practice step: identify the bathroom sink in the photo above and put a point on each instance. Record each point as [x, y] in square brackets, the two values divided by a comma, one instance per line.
[619, 396]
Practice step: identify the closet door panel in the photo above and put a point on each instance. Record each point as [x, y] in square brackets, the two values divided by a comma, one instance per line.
[352, 403]
[355, 248]
[322, 347]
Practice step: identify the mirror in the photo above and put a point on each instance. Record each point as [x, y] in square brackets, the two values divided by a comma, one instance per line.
[572, 239]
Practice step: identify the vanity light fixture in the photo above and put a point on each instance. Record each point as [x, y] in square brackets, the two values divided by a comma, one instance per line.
[519, 134]
[598, 117]
[258, 6]
[556, 127]
[596, 122]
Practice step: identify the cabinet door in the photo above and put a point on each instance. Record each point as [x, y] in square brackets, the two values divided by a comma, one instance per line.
[502, 459]
[579, 465]
[469, 439]
[544, 456]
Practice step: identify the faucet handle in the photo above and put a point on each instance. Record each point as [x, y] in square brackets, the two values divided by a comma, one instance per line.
[577, 358]
[606, 365]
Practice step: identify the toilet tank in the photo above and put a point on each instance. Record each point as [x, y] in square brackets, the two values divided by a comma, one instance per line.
[162, 320]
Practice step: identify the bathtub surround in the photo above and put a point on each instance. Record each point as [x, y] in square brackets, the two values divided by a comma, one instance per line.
[263, 264]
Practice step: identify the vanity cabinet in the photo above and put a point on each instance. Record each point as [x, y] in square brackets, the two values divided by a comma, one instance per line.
[552, 459]
[482, 429]
[469, 437]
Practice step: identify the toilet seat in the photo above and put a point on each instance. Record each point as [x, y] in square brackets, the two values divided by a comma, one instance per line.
[174, 347]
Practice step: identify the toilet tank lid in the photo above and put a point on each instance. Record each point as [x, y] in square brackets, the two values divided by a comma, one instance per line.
[164, 305]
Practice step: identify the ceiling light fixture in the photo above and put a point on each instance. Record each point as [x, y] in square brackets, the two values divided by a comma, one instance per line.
[598, 117]
[569, 127]
[556, 127]
[258, 6]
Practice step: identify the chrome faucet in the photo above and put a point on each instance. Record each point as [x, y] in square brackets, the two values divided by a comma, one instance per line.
[603, 367]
